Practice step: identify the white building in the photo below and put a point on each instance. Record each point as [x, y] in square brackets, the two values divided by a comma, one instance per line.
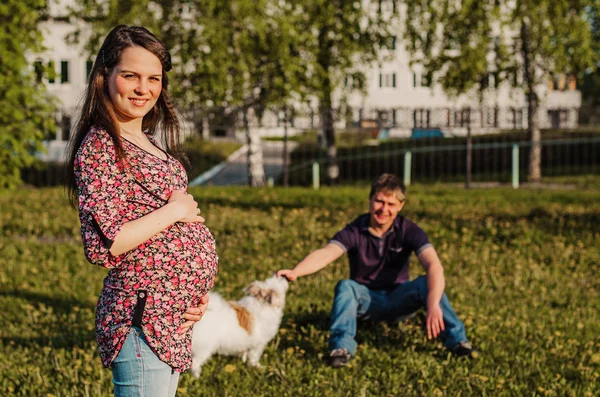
[398, 97]
[71, 67]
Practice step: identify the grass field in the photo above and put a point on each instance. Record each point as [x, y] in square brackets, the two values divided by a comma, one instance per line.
[522, 271]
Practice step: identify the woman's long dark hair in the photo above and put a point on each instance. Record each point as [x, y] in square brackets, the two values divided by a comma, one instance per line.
[98, 111]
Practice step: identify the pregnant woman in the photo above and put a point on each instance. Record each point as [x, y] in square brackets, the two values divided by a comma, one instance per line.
[137, 218]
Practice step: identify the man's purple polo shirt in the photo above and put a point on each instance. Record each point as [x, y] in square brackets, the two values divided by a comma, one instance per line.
[380, 262]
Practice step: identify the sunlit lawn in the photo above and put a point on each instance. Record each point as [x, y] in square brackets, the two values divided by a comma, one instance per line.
[522, 271]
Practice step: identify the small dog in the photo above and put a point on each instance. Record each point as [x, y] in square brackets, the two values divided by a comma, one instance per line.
[240, 328]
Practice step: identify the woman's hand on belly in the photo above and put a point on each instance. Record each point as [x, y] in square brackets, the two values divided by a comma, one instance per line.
[186, 207]
[194, 314]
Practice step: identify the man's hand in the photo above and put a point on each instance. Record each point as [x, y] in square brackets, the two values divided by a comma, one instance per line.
[194, 314]
[287, 273]
[435, 321]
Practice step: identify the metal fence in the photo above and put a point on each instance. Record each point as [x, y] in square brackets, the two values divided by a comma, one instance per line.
[466, 145]
[422, 145]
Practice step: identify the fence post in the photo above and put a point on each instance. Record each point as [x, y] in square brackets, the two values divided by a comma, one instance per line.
[469, 159]
[515, 166]
[407, 167]
[315, 175]
[469, 151]
[286, 167]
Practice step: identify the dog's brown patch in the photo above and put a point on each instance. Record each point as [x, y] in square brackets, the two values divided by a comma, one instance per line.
[244, 317]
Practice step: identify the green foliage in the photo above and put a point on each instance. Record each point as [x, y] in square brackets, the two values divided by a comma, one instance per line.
[25, 109]
[459, 43]
[242, 57]
[524, 42]
[521, 267]
[227, 54]
[348, 36]
[590, 82]
[233, 58]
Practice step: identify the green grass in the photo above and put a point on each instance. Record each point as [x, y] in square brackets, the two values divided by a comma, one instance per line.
[522, 271]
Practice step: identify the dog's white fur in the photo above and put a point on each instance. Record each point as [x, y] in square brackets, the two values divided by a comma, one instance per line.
[221, 330]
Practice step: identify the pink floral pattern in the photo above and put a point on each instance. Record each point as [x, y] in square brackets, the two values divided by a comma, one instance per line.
[176, 267]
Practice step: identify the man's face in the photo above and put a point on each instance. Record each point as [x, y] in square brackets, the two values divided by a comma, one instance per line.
[384, 208]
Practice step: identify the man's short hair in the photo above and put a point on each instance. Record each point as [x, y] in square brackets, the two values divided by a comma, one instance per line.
[388, 184]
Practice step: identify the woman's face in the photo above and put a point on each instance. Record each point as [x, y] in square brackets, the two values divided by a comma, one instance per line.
[135, 84]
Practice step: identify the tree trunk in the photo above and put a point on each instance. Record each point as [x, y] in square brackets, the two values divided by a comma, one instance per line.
[326, 108]
[533, 123]
[205, 128]
[535, 136]
[256, 170]
[333, 171]
[469, 150]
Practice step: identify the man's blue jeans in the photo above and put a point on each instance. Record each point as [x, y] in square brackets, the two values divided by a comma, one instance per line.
[355, 301]
[138, 372]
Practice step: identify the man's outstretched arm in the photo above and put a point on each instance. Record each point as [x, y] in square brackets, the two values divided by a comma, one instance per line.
[313, 262]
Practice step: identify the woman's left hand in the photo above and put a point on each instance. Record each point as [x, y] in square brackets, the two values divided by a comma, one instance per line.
[194, 314]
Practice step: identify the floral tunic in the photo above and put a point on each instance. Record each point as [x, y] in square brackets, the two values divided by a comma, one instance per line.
[175, 268]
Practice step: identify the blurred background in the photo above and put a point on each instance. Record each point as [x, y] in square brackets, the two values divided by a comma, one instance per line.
[311, 93]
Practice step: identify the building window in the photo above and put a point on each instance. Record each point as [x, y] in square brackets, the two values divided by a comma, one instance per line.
[387, 80]
[559, 82]
[558, 117]
[489, 80]
[65, 128]
[517, 79]
[485, 82]
[38, 69]
[489, 117]
[64, 72]
[421, 80]
[354, 81]
[516, 118]
[51, 72]
[425, 82]
[390, 43]
[421, 118]
[460, 118]
[386, 118]
[387, 6]
[88, 68]
[495, 79]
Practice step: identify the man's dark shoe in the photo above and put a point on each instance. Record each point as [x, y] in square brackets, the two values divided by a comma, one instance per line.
[464, 349]
[339, 358]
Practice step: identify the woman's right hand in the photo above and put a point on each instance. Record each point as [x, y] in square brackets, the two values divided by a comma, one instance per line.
[186, 206]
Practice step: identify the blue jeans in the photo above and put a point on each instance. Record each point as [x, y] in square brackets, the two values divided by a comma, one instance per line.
[138, 372]
[353, 301]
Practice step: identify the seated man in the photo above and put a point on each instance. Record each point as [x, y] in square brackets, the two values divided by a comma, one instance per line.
[379, 245]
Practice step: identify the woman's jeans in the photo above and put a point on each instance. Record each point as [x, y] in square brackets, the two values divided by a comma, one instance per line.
[355, 301]
[138, 372]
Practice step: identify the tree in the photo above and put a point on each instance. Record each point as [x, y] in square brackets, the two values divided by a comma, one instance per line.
[26, 111]
[590, 84]
[258, 58]
[347, 36]
[521, 42]
[234, 57]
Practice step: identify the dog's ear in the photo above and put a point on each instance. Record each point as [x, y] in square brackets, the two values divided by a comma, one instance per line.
[267, 295]
[253, 289]
[256, 290]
